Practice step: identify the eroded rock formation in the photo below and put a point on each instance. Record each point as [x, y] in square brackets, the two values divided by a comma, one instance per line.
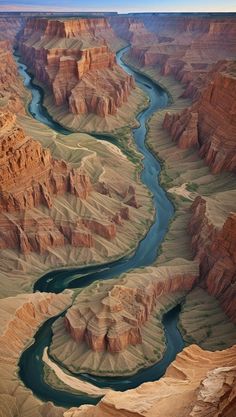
[187, 46]
[29, 176]
[19, 320]
[214, 244]
[132, 30]
[10, 26]
[72, 59]
[210, 123]
[11, 86]
[197, 384]
[111, 315]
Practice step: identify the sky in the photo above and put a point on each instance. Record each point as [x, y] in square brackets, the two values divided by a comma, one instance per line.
[120, 5]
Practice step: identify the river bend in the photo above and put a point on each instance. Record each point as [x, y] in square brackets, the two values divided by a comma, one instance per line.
[30, 364]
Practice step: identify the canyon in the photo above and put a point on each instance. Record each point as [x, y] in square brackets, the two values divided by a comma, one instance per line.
[73, 59]
[76, 200]
[54, 195]
[110, 326]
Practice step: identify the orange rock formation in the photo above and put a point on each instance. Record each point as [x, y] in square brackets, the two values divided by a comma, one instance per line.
[132, 30]
[30, 177]
[28, 174]
[210, 123]
[111, 317]
[197, 384]
[11, 86]
[215, 248]
[72, 58]
[187, 46]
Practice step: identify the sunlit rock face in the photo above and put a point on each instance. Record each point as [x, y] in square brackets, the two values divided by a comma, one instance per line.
[112, 316]
[29, 178]
[73, 59]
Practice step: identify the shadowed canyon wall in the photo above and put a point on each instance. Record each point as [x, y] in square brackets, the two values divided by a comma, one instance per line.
[210, 123]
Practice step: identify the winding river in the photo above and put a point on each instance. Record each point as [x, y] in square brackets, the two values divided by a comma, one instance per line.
[31, 364]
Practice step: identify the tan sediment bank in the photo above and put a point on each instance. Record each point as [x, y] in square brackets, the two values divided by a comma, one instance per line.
[73, 382]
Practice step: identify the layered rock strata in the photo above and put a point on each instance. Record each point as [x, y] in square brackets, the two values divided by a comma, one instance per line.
[214, 245]
[132, 30]
[19, 320]
[187, 46]
[29, 176]
[72, 58]
[110, 316]
[210, 123]
[196, 384]
[12, 90]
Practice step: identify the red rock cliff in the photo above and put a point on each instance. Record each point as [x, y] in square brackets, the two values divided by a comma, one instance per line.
[111, 316]
[11, 86]
[28, 174]
[215, 247]
[211, 122]
[72, 58]
[186, 47]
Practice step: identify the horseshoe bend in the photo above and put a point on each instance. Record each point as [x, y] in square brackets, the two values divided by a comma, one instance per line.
[117, 212]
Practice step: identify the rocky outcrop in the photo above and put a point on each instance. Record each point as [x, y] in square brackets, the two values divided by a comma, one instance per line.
[20, 318]
[211, 122]
[132, 30]
[183, 128]
[29, 176]
[197, 384]
[217, 394]
[72, 58]
[70, 28]
[214, 246]
[187, 47]
[111, 316]
[11, 86]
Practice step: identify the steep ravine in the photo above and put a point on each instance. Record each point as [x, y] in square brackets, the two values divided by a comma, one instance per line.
[144, 255]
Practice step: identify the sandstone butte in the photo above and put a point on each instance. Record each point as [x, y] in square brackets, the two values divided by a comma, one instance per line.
[72, 58]
[30, 178]
[110, 317]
